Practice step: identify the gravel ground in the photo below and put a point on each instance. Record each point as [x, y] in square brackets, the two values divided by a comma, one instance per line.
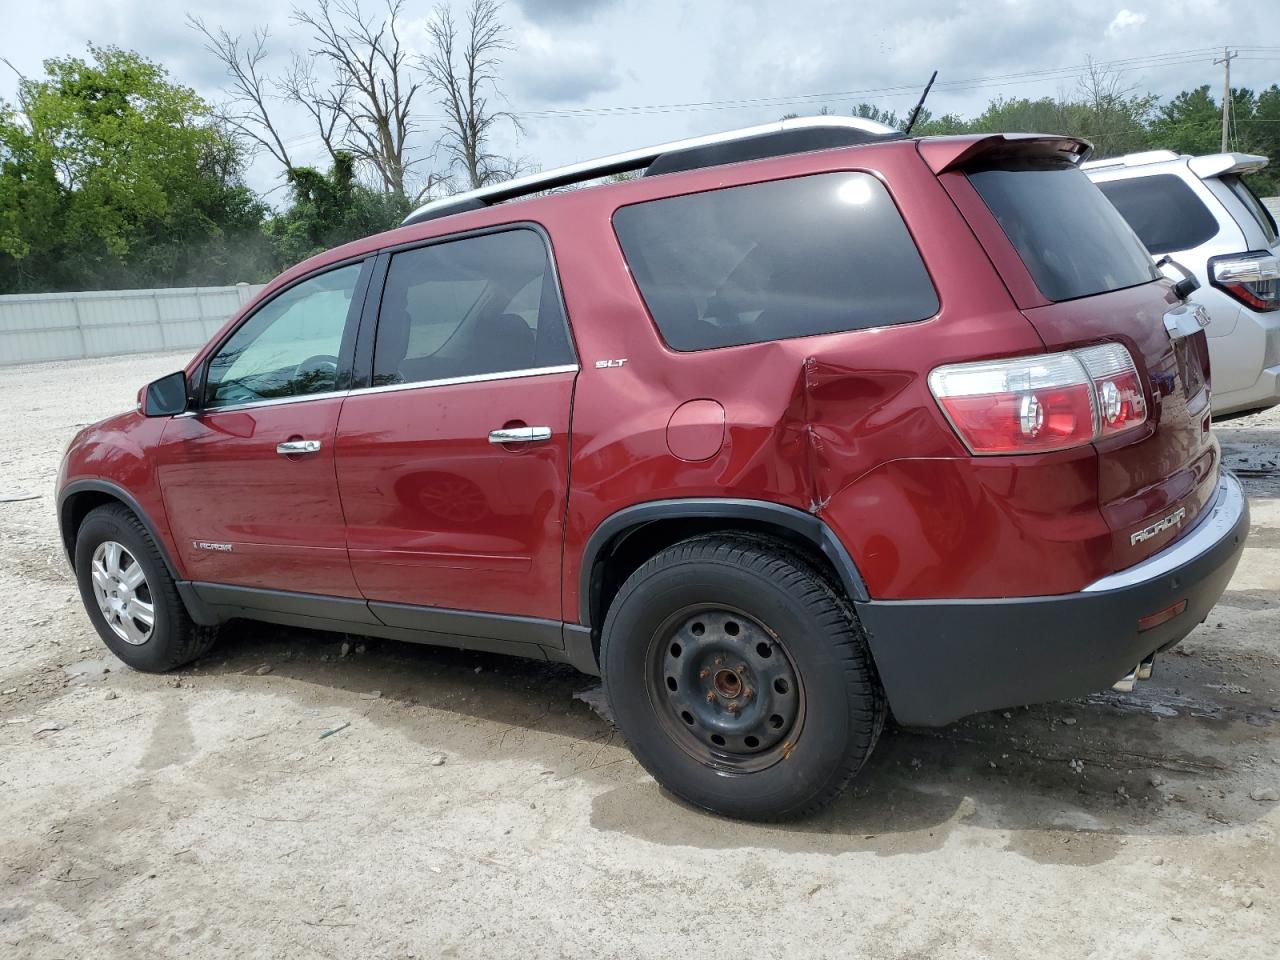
[477, 807]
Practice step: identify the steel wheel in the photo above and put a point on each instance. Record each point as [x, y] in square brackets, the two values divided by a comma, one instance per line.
[123, 594]
[726, 688]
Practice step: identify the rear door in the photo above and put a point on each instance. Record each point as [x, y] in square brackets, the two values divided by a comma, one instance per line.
[1081, 276]
[453, 464]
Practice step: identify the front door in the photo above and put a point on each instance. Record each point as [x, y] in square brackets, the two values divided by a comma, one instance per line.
[248, 477]
[453, 466]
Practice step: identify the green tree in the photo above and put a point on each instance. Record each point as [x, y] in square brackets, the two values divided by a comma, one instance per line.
[112, 175]
[869, 111]
[1189, 123]
[331, 209]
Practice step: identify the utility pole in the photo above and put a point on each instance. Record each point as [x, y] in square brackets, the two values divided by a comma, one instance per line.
[1227, 57]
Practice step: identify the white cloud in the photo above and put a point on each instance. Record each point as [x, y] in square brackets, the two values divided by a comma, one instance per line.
[1124, 20]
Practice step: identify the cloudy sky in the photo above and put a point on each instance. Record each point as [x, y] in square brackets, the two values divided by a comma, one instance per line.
[590, 77]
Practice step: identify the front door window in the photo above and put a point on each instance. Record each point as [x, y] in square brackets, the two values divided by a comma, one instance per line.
[289, 348]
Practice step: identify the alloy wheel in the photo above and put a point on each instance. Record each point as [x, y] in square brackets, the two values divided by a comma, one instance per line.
[123, 594]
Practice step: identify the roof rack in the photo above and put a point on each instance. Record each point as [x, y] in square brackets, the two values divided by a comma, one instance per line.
[749, 143]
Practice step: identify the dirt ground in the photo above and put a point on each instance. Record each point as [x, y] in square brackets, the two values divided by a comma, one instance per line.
[477, 807]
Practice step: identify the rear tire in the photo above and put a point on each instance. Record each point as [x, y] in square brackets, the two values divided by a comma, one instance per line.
[130, 596]
[740, 678]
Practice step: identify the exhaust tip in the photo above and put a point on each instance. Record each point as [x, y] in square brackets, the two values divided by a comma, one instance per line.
[1146, 667]
[1125, 683]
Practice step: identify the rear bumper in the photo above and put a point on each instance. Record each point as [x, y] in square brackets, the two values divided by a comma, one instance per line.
[941, 660]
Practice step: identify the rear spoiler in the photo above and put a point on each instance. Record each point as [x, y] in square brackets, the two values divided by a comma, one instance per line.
[952, 153]
[1220, 164]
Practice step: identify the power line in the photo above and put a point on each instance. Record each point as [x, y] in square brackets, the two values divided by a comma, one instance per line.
[1118, 65]
[1124, 65]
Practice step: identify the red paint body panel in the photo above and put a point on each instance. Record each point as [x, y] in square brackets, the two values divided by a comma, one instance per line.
[437, 515]
[1172, 460]
[224, 483]
[120, 450]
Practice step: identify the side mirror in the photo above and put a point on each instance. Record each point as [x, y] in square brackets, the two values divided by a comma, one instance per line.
[166, 396]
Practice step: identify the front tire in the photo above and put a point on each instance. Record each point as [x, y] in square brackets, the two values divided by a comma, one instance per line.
[130, 596]
[740, 678]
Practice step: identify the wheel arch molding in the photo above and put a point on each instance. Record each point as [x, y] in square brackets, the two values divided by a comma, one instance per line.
[71, 513]
[756, 515]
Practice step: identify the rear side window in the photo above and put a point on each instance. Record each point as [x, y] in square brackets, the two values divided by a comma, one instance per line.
[479, 305]
[1164, 212]
[1072, 240]
[789, 258]
[1255, 206]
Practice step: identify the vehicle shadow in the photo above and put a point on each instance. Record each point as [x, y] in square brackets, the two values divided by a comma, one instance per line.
[1065, 782]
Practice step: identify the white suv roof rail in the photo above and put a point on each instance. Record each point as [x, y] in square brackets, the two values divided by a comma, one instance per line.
[624, 162]
[1132, 159]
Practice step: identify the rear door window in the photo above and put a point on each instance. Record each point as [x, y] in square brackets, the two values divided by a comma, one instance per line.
[1072, 240]
[1164, 212]
[769, 261]
[470, 307]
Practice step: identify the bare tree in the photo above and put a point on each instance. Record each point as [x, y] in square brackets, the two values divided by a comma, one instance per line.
[247, 110]
[324, 104]
[373, 87]
[1115, 116]
[464, 72]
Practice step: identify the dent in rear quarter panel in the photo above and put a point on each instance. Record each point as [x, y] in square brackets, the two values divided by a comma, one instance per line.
[117, 450]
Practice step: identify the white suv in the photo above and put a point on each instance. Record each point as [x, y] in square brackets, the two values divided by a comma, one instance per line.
[1200, 213]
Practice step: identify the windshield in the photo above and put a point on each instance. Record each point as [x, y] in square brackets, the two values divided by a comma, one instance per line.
[1072, 240]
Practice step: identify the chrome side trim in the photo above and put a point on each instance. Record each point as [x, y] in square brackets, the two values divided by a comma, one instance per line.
[273, 402]
[474, 378]
[1214, 525]
[388, 388]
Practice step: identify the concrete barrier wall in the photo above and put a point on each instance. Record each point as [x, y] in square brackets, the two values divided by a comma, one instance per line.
[67, 326]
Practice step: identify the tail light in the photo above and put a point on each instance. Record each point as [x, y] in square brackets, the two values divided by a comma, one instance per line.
[1036, 404]
[1253, 279]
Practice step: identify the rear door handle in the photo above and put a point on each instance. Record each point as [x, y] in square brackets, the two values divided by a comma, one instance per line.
[519, 435]
[292, 448]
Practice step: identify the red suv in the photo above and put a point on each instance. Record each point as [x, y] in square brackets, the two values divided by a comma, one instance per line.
[808, 423]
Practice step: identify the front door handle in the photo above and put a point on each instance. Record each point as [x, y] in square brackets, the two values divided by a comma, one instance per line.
[519, 435]
[291, 448]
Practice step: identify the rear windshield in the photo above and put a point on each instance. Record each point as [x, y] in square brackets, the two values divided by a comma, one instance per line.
[1072, 240]
[1163, 211]
[1254, 206]
[769, 261]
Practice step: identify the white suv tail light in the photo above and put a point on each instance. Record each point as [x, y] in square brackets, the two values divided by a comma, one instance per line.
[1253, 279]
[1040, 403]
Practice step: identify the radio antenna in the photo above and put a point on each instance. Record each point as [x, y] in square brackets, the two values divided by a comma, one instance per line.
[915, 114]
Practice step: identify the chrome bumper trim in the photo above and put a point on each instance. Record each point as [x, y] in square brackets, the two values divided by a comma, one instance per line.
[1212, 526]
